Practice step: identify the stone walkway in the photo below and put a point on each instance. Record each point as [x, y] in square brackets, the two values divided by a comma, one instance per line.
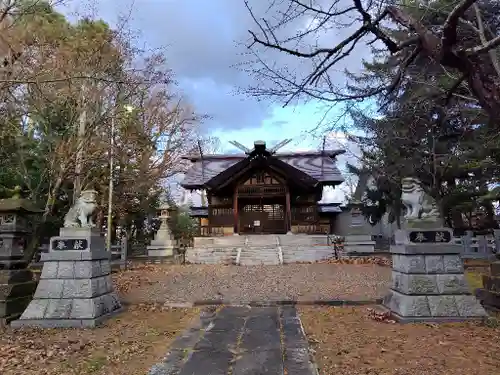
[240, 341]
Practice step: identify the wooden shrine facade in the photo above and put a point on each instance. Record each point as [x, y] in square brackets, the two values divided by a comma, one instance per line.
[263, 192]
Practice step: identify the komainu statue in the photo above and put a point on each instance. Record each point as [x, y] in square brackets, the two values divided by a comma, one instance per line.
[80, 214]
[418, 204]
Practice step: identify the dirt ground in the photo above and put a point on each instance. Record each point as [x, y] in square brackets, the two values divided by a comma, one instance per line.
[128, 344]
[138, 338]
[190, 283]
[347, 341]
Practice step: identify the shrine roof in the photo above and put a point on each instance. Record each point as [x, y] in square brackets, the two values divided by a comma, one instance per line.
[319, 165]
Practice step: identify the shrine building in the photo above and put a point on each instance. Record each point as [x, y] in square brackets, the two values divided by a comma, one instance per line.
[262, 191]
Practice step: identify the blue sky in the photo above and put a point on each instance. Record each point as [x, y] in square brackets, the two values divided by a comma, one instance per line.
[204, 42]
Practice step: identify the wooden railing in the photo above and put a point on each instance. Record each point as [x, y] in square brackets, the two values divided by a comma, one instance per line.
[221, 215]
[313, 228]
[304, 212]
[210, 231]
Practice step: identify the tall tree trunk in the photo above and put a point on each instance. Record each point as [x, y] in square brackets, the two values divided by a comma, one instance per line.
[77, 184]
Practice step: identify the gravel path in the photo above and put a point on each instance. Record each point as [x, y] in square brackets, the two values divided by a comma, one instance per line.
[192, 283]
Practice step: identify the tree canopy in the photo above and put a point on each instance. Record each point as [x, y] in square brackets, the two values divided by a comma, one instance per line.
[75, 94]
[434, 75]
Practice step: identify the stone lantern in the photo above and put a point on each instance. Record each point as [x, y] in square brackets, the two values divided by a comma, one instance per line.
[16, 280]
[163, 244]
[358, 238]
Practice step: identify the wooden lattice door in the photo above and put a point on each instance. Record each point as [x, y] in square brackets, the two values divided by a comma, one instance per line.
[260, 217]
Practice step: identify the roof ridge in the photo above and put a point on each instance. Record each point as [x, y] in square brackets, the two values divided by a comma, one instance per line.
[312, 153]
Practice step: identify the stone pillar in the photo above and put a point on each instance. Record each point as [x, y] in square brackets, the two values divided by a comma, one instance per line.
[359, 238]
[16, 280]
[428, 282]
[75, 287]
[162, 245]
[489, 295]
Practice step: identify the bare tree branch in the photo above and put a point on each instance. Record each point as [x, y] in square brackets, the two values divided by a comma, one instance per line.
[449, 38]
[444, 49]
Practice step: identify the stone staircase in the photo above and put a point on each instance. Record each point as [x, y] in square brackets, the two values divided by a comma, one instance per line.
[259, 249]
[304, 248]
[215, 250]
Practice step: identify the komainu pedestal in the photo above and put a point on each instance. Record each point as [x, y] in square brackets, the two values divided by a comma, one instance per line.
[428, 282]
[75, 287]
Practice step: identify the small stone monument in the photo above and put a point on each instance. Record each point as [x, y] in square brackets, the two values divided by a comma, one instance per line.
[428, 282]
[358, 238]
[489, 295]
[162, 245]
[75, 287]
[16, 280]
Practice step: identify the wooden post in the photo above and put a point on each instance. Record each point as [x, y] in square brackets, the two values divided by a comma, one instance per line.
[288, 221]
[209, 199]
[123, 253]
[235, 211]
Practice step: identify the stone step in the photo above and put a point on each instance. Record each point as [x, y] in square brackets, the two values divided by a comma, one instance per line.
[267, 251]
[265, 239]
[256, 263]
[302, 240]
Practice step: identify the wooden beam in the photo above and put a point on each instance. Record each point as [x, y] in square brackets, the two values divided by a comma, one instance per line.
[209, 199]
[235, 210]
[288, 212]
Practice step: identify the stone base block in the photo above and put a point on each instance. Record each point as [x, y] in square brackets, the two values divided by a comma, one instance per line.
[16, 291]
[358, 238]
[70, 269]
[64, 323]
[160, 251]
[12, 309]
[433, 308]
[428, 264]
[430, 284]
[75, 290]
[436, 319]
[362, 230]
[13, 276]
[10, 262]
[359, 247]
[75, 312]
[489, 298]
[495, 268]
[491, 283]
